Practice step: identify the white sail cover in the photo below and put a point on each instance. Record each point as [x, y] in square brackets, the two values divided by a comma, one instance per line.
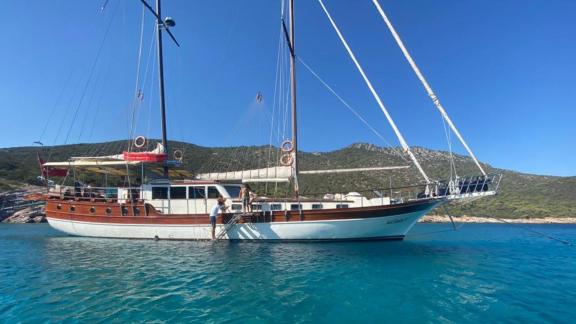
[273, 174]
[354, 170]
[279, 174]
[90, 163]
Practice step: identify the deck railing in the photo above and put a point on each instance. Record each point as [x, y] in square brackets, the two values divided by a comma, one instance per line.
[98, 194]
[460, 188]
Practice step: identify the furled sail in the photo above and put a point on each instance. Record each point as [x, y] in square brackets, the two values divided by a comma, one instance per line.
[273, 174]
[156, 155]
[279, 174]
[354, 170]
[112, 164]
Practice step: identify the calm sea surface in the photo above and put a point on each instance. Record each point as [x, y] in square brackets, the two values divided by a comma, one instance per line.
[481, 273]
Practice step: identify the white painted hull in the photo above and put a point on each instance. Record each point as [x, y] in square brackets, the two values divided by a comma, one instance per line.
[387, 227]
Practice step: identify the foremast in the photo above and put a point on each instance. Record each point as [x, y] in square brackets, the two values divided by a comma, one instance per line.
[160, 25]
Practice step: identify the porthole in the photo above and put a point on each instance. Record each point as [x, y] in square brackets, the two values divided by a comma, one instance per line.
[72, 208]
[92, 210]
[59, 206]
[108, 210]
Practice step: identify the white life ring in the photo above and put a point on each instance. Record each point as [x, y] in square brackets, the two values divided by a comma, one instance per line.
[178, 155]
[286, 159]
[140, 141]
[287, 146]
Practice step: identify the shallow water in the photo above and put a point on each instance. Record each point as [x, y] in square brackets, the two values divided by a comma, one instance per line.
[481, 273]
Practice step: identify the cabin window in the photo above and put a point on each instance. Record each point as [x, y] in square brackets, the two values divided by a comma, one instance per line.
[59, 206]
[256, 207]
[276, 207]
[108, 210]
[92, 210]
[342, 206]
[233, 191]
[111, 193]
[237, 207]
[72, 208]
[124, 210]
[213, 192]
[159, 193]
[317, 206]
[136, 211]
[196, 192]
[177, 192]
[295, 207]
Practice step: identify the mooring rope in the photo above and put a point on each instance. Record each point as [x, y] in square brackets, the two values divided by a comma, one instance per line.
[534, 231]
[523, 227]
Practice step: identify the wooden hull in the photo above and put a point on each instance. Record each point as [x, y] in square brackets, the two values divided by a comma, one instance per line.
[366, 223]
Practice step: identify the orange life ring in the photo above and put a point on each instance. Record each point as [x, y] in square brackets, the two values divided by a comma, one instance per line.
[286, 159]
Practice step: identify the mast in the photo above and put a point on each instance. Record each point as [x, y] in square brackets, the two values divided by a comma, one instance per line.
[160, 25]
[293, 91]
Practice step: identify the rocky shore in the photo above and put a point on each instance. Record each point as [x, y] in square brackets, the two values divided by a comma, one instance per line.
[15, 209]
[474, 219]
[27, 215]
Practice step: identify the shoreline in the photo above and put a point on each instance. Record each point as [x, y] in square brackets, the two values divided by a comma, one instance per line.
[474, 219]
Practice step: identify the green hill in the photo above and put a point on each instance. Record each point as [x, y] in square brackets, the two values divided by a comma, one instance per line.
[522, 195]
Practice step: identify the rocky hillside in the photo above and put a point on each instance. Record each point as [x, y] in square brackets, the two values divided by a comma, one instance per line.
[522, 195]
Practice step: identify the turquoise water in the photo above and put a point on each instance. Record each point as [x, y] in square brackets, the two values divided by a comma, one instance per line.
[481, 273]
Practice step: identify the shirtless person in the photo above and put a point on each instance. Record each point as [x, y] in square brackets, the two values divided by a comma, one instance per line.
[245, 196]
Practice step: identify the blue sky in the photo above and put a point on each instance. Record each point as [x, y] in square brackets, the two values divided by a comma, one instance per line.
[505, 71]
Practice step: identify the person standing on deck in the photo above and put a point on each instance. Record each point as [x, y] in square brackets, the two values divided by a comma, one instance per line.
[245, 196]
[216, 209]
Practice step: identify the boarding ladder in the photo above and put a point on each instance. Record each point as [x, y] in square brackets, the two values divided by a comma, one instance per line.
[234, 220]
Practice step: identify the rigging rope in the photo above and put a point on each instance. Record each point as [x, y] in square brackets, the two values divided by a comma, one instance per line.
[352, 110]
[375, 95]
[92, 68]
[58, 99]
[138, 89]
[424, 82]
[453, 173]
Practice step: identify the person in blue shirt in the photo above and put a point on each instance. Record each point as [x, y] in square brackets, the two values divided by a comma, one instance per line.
[216, 209]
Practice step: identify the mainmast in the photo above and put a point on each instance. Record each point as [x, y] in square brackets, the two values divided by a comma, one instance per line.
[160, 25]
[293, 91]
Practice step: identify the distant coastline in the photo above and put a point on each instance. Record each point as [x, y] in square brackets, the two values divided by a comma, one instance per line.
[475, 219]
